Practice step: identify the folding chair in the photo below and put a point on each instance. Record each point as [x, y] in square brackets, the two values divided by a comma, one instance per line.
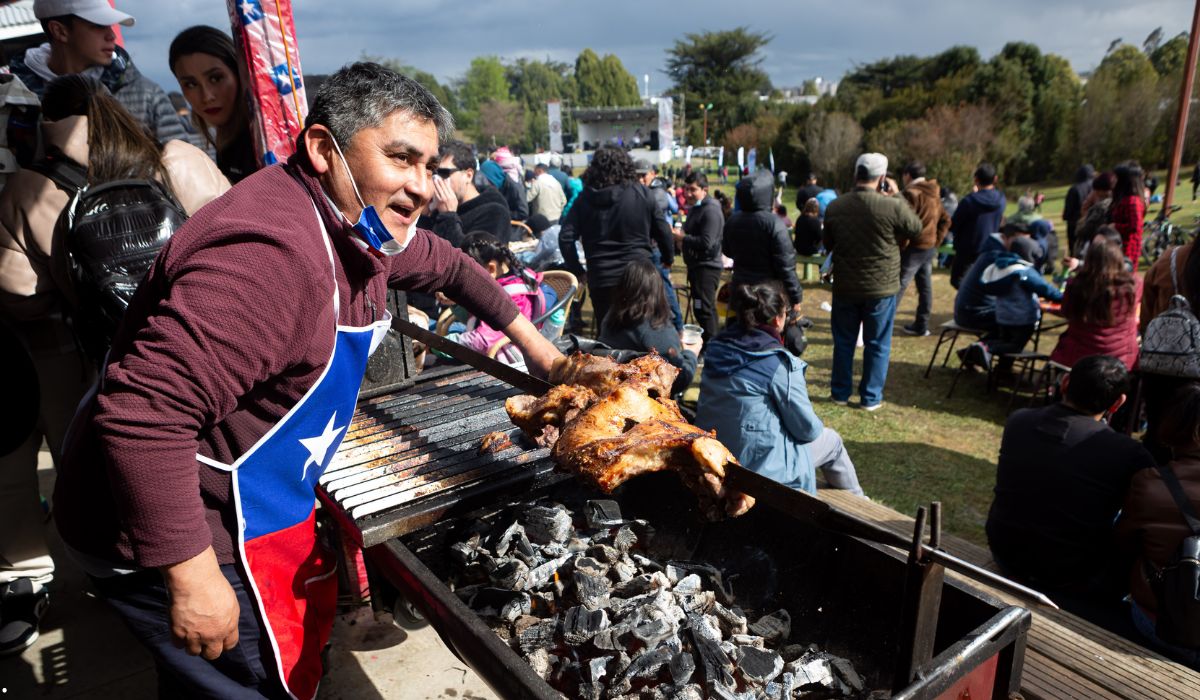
[949, 333]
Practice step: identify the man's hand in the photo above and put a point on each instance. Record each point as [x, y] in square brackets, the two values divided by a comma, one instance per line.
[204, 608]
[539, 353]
[446, 199]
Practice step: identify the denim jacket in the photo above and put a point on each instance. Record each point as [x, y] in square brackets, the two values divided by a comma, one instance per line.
[753, 393]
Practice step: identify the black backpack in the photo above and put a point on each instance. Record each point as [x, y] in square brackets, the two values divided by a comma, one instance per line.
[1177, 585]
[110, 234]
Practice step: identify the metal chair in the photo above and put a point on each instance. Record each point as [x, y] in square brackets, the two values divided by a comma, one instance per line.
[950, 331]
[565, 286]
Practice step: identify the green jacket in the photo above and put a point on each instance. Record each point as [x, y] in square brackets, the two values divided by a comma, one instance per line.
[864, 230]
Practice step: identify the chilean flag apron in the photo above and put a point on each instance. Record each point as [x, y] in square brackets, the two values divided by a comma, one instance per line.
[291, 576]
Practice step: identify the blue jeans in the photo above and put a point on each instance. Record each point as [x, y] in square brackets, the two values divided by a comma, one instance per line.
[876, 317]
[672, 298]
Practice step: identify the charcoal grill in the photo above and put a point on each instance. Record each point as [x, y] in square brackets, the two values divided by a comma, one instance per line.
[409, 475]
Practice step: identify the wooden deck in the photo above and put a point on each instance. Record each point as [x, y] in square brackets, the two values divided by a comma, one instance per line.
[1067, 657]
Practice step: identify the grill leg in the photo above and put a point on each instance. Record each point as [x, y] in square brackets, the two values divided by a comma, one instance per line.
[922, 602]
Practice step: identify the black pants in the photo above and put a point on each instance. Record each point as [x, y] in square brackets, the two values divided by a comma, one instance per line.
[601, 300]
[246, 671]
[918, 265]
[704, 282]
[1072, 244]
[1006, 339]
[962, 263]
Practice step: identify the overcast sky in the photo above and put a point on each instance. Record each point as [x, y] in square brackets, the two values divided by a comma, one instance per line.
[441, 36]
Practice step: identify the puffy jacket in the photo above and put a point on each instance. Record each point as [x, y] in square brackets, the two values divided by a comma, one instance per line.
[702, 234]
[1016, 284]
[925, 197]
[758, 240]
[753, 393]
[978, 215]
[617, 225]
[144, 99]
[973, 307]
[30, 205]
[865, 230]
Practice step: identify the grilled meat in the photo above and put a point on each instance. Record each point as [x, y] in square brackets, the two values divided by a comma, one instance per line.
[602, 375]
[541, 417]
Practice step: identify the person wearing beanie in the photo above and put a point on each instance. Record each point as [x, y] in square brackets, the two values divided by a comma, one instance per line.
[514, 192]
[864, 230]
[1013, 279]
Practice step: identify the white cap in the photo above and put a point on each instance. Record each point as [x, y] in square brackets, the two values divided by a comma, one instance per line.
[94, 11]
[874, 163]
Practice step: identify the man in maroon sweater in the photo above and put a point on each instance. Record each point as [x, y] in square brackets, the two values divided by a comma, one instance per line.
[235, 325]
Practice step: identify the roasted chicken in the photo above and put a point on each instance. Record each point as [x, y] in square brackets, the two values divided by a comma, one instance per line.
[615, 422]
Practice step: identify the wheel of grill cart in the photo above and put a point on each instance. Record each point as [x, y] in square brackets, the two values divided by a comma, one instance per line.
[407, 616]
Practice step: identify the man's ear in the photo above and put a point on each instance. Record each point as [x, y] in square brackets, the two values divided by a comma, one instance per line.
[58, 31]
[318, 145]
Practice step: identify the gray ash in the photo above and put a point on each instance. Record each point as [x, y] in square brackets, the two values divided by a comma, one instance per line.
[597, 618]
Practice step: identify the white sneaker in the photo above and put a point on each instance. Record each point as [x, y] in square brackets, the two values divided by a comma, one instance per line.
[873, 407]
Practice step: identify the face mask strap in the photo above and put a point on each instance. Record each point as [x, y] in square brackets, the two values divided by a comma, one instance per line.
[338, 148]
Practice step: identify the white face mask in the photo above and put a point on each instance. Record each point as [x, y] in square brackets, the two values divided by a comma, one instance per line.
[369, 226]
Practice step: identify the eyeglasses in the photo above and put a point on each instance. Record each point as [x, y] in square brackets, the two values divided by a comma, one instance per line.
[446, 172]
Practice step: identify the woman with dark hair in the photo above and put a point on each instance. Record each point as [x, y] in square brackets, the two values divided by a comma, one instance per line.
[1152, 525]
[86, 126]
[808, 229]
[640, 319]
[519, 282]
[1128, 208]
[1100, 305]
[205, 62]
[617, 220]
[753, 393]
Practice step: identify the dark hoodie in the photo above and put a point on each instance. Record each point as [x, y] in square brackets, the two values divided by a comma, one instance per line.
[487, 212]
[978, 216]
[142, 97]
[974, 307]
[758, 240]
[616, 225]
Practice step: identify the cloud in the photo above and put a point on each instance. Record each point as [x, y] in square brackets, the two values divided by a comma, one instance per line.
[441, 36]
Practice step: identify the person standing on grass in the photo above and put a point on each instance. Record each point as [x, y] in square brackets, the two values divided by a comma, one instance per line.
[1128, 210]
[864, 231]
[701, 237]
[978, 215]
[1073, 204]
[916, 258]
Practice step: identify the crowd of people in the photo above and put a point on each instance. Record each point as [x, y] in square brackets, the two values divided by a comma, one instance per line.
[205, 371]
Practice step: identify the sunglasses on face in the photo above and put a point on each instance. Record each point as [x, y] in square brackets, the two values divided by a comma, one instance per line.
[446, 172]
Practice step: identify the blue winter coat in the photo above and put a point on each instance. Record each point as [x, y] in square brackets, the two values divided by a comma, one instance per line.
[1017, 285]
[753, 393]
[974, 307]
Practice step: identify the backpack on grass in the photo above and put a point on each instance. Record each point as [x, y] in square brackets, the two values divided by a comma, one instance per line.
[1177, 585]
[110, 234]
[1171, 343]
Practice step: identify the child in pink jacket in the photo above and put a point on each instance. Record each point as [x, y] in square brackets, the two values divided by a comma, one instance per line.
[521, 283]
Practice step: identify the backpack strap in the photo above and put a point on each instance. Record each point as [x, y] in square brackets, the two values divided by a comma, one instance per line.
[1174, 274]
[1181, 499]
[69, 176]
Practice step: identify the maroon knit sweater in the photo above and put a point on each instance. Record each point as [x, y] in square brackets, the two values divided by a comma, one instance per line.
[231, 327]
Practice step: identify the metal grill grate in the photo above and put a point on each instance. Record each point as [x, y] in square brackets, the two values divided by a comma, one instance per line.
[411, 457]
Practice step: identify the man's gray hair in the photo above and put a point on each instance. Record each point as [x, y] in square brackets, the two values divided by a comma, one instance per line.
[556, 161]
[361, 95]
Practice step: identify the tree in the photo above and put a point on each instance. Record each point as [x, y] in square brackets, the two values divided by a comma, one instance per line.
[444, 94]
[604, 82]
[532, 84]
[809, 88]
[950, 140]
[833, 140]
[483, 82]
[1169, 58]
[1055, 106]
[501, 122]
[723, 68]
[1122, 109]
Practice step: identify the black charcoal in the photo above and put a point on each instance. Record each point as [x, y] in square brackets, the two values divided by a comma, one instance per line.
[464, 553]
[697, 603]
[787, 685]
[591, 591]
[687, 585]
[688, 692]
[845, 671]
[590, 691]
[682, 667]
[759, 665]
[591, 566]
[652, 632]
[748, 640]
[544, 573]
[539, 636]
[731, 621]
[623, 570]
[717, 667]
[644, 563]
[602, 552]
[596, 668]
[775, 628]
[512, 574]
[811, 669]
[625, 539]
[602, 514]
[539, 661]
[515, 608]
[547, 524]
[506, 539]
[580, 624]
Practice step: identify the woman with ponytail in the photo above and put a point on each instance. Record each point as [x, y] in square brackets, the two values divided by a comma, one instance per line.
[522, 284]
[753, 393]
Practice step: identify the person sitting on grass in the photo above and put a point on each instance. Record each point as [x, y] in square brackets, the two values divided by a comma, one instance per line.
[521, 283]
[640, 319]
[1015, 282]
[753, 393]
[1100, 305]
[1062, 476]
[1152, 526]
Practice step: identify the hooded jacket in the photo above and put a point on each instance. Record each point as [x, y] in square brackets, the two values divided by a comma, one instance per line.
[512, 191]
[978, 216]
[925, 197]
[758, 240]
[753, 393]
[1016, 284]
[617, 225]
[702, 233]
[144, 99]
[973, 307]
[487, 212]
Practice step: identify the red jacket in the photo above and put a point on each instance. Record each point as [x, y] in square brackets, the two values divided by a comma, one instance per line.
[1127, 216]
[231, 327]
[1119, 340]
